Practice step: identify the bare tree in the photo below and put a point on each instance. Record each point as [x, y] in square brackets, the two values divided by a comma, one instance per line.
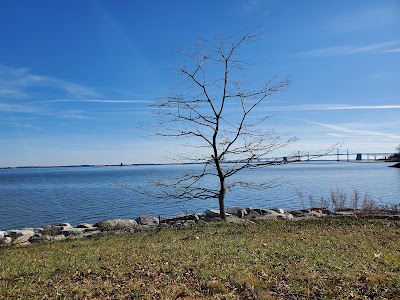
[221, 116]
[396, 155]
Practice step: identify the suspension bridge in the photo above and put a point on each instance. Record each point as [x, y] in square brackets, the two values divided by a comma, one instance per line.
[339, 156]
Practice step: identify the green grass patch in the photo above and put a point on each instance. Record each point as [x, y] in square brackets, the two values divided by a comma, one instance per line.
[321, 259]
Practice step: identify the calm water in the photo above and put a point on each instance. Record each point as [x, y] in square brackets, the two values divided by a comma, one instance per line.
[39, 196]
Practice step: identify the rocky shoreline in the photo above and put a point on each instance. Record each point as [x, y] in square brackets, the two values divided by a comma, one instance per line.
[26, 236]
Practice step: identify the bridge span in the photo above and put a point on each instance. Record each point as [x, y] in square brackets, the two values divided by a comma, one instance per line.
[342, 156]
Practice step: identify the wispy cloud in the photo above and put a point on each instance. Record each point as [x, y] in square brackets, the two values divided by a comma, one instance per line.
[377, 48]
[18, 124]
[327, 107]
[19, 82]
[18, 108]
[12, 93]
[97, 101]
[254, 6]
[381, 14]
[364, 133]
[75, 116]
[73, 89]
[392, 50]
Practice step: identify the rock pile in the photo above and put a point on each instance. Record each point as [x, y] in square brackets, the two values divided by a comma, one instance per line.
[62, 231]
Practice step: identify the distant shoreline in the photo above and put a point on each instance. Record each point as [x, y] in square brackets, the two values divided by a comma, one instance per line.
[183, 163]
[96, 166]
[76, 166]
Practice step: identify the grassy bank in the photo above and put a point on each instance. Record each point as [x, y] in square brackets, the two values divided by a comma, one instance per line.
[273, 260]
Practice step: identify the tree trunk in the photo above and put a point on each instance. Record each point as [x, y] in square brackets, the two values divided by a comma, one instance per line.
[221, 199]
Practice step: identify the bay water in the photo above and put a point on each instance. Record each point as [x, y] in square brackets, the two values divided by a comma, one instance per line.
[33, 197]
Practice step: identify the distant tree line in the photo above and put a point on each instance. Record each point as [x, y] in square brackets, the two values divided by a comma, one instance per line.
[396, 155]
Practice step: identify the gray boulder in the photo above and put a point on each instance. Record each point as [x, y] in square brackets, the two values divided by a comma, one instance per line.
[280, 214]
[5, 240]
[212, 213]
[345, 214]
[314, 214]
[297, 213]
[252, 215]
[87, 227]
[70, 232]
[179, 218]
[236, 211]
[268, 214]
[58, 237]
[118, 224]
[191, 217]
[64, 224]
[89, 234]
[2, 234]
[322, 210]
[53, 230]
[38, 238]
[16, 233]
[286, 216]
[20, 235]
[261, 211]
[278, 210]
[145, 220]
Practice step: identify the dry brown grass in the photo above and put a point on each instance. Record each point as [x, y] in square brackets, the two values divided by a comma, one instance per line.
[321, 259]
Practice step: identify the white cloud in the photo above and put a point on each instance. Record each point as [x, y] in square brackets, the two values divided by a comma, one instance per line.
[382, 14]
[19, 81]
[254, 7]
[363, 133]
[12, 93]
[17, 108]
[377, 48]
[75, 90]
[321, 107]
[98, 101]
[392, 50]
[18, 125]
[75, 116]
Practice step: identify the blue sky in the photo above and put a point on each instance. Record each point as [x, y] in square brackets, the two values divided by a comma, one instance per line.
[76, 77]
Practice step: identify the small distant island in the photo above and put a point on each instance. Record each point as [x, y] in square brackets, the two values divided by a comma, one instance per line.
[395, 158]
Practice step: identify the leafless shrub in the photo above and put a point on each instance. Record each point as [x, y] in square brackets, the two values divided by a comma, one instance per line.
[356, 199]
[324, 203]
[369, 205]
[338, 199]
[299, 193]
[313, 203]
